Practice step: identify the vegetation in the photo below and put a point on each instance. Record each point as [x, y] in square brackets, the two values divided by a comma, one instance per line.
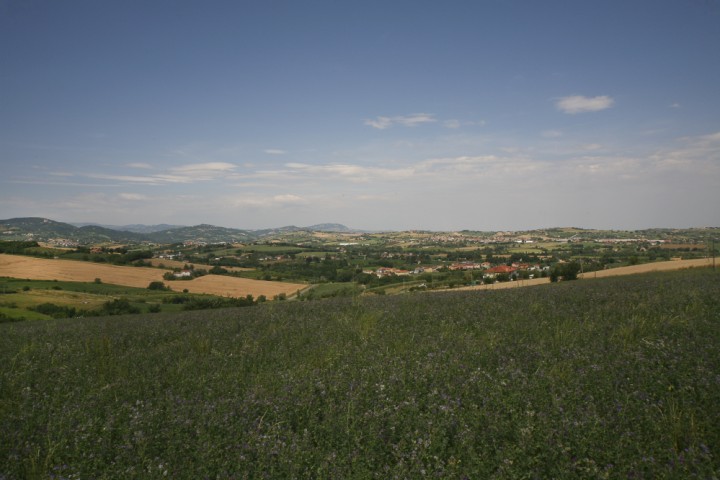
[610, 378]
[46, 299]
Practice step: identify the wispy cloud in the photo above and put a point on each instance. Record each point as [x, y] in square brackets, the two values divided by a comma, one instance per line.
[579, 104]
[280, 200]
[133, 196]
[205, 167]
[146, 180]
[355, 173]
[412, 120]
[275, 151]
[142, 165]
[552, 134]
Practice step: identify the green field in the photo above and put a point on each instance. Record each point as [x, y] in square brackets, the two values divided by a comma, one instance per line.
[20, 299]
[610, 378]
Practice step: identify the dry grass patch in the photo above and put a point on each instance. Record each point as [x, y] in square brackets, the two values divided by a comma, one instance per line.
[650, 267]
[235, 287]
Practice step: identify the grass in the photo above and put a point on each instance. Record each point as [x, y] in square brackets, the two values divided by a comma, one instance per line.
[610, 378]
[18, 297]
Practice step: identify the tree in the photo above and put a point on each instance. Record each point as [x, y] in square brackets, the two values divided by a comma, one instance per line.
[157, 285]
[565, 271]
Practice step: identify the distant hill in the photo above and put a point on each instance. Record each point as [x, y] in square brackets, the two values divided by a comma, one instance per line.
[202, 233]
[43, 229]
[329, 227]
[29, 227]
[135, 228]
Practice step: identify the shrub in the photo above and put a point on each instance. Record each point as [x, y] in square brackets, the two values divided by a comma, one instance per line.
[157, 285]
[119, 306]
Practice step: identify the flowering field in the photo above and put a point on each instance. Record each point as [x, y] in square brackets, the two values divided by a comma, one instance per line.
[614, 378]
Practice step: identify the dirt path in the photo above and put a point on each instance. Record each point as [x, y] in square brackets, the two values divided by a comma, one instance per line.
[611, 272]
[18, 266]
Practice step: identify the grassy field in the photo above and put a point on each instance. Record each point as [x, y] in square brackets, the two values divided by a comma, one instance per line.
[610, 378]
[19, 298]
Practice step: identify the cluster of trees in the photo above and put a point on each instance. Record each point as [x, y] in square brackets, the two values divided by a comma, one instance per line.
[203, 303]
[117, 306]
[16, 247]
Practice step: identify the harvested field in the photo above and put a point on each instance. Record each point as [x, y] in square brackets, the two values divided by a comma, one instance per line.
[235, 287]
[650, 267]
[17, 266]
[611, 272]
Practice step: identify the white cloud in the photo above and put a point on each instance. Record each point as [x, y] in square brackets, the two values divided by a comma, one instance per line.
[412, 120]
[275, 151]
[552, 134]
[133, 196]
[146, 166]
[280, 200]
[580, 104]
[148, 180]
[699, 155]
[355, 173]
[452, 123]
[206, 167]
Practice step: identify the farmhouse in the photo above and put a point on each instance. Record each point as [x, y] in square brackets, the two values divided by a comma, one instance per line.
[501, 269]
[384, 272]
[466, 266]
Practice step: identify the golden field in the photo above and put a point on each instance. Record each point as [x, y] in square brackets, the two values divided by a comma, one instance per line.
[17, 266]
[611, 272]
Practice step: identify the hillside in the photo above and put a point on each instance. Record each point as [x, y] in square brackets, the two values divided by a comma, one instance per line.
[43, 229]
[614, 378]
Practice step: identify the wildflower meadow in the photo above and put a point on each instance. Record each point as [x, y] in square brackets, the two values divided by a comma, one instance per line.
[606, 378]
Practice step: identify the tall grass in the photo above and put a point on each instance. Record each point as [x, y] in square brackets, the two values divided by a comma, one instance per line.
[615, 378]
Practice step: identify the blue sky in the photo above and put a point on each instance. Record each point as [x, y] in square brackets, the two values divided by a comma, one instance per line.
[484, 115]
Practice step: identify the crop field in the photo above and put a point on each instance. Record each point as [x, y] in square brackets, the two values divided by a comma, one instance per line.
[650, 267]
[610, 272]
[613, 378]
[67, 270]
[235, 287]
[76, 271]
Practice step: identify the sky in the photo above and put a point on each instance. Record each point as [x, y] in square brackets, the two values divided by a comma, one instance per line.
[380, 115]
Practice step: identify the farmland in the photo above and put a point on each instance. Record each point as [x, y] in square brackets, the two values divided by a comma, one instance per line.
[612, 378]
[68, 270]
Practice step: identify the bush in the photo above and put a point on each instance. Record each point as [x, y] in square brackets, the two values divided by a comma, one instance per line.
[55, 311]
[119, 306]
[157, 285]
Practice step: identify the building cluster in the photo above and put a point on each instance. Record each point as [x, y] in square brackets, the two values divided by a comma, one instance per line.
[487, 269]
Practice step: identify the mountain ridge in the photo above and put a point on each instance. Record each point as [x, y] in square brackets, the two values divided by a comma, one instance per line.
[44, 229]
